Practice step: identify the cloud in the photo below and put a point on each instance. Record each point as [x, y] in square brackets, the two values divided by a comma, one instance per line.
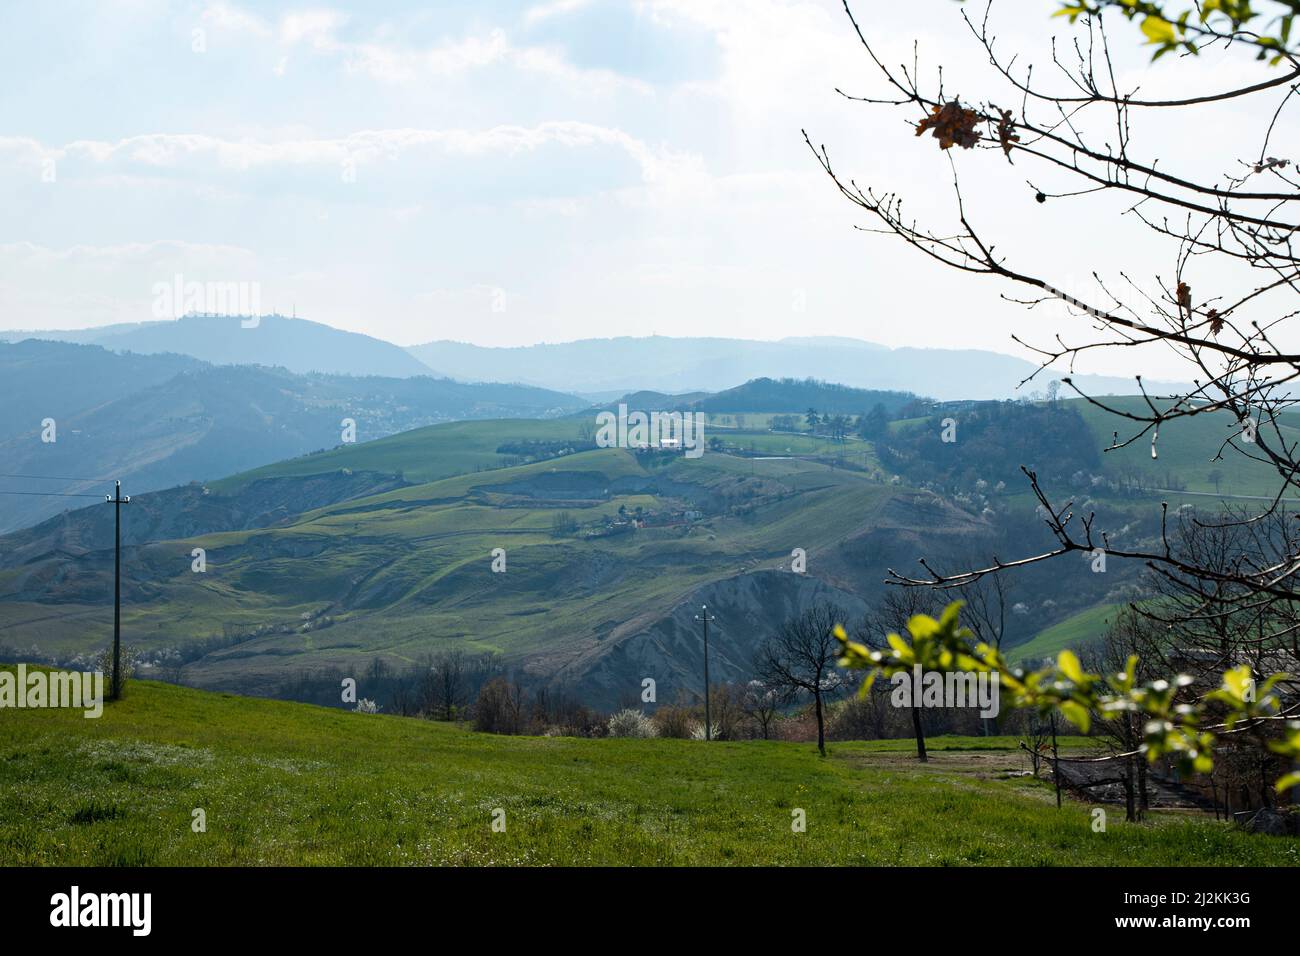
[87, 285]
[199, 152]
[224, 16]
[320, 30]
[555, 8]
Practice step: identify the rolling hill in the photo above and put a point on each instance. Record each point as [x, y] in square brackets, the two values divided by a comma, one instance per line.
[1185, 452]
[384, 550]
[611, 367]
[298, 345]
[158, 421]
[324, 563]
[765, 396]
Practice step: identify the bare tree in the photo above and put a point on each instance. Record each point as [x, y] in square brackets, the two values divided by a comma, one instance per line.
[760, 705]
[501, 706]
[726, 711]
[1129, 634]
[443, 688]
[1246, 220]
[1223, 300]
[988, 600]
[800, 659]
[890, 615]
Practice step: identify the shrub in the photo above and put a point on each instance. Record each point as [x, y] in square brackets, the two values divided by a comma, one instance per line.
[500, 708]
[632, 723]
[674, 720]
[128, 656]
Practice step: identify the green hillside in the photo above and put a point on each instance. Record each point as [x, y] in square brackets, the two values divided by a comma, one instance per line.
[408, 572]
[596, 592]
[1075, 632]
[284, 784]
[1184, 451]
[421, 454]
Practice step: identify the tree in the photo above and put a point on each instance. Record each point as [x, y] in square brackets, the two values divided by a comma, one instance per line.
[563, 524]
[839, 427]
[500, 708]
[875, 424]
[800, 659]
[760, 705]
[1248, 218]
[443, 688]
[1129, 634]
[726, 711]
[1222, 301]
[890, 615]
[811, 418]
[988, 599]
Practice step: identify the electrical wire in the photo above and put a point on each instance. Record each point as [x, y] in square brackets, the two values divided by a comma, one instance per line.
[50, 494]
[54, 478]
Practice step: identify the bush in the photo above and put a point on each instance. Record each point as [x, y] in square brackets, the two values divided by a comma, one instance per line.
[500, 708]
[675, 720]
[128, 657]
[632, 723]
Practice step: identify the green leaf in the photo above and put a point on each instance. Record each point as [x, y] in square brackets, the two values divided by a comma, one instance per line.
[1076, 714]
[1069, 666]
[1159, 30]
[1237, 680]
[921, 626]
[1287, 782]
[1071, 10]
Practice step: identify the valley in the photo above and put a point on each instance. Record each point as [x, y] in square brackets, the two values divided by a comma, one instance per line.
[383, 551]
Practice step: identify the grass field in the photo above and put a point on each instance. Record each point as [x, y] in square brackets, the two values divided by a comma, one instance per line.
[422, 454]
[1185, 450]
[284, 783]
[1074, 633]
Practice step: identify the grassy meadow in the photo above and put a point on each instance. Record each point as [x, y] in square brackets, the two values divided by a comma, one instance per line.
[283, 783]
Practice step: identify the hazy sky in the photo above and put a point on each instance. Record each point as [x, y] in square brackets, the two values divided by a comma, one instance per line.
[508, 173]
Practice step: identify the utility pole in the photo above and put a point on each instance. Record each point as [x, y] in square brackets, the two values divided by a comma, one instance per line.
[1056, 763]
[703, 617]
[117, 501]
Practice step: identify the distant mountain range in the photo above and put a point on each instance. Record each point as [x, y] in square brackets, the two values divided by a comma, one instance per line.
[607, 368]
[165, 403]
[598, 369]
[774, 396]
[163, 420]
[294, 344]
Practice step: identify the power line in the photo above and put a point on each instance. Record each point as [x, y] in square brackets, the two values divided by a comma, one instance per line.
[50, 494]
[55, 477]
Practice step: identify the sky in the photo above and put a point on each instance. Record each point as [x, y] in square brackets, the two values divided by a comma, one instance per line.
[510, 173]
